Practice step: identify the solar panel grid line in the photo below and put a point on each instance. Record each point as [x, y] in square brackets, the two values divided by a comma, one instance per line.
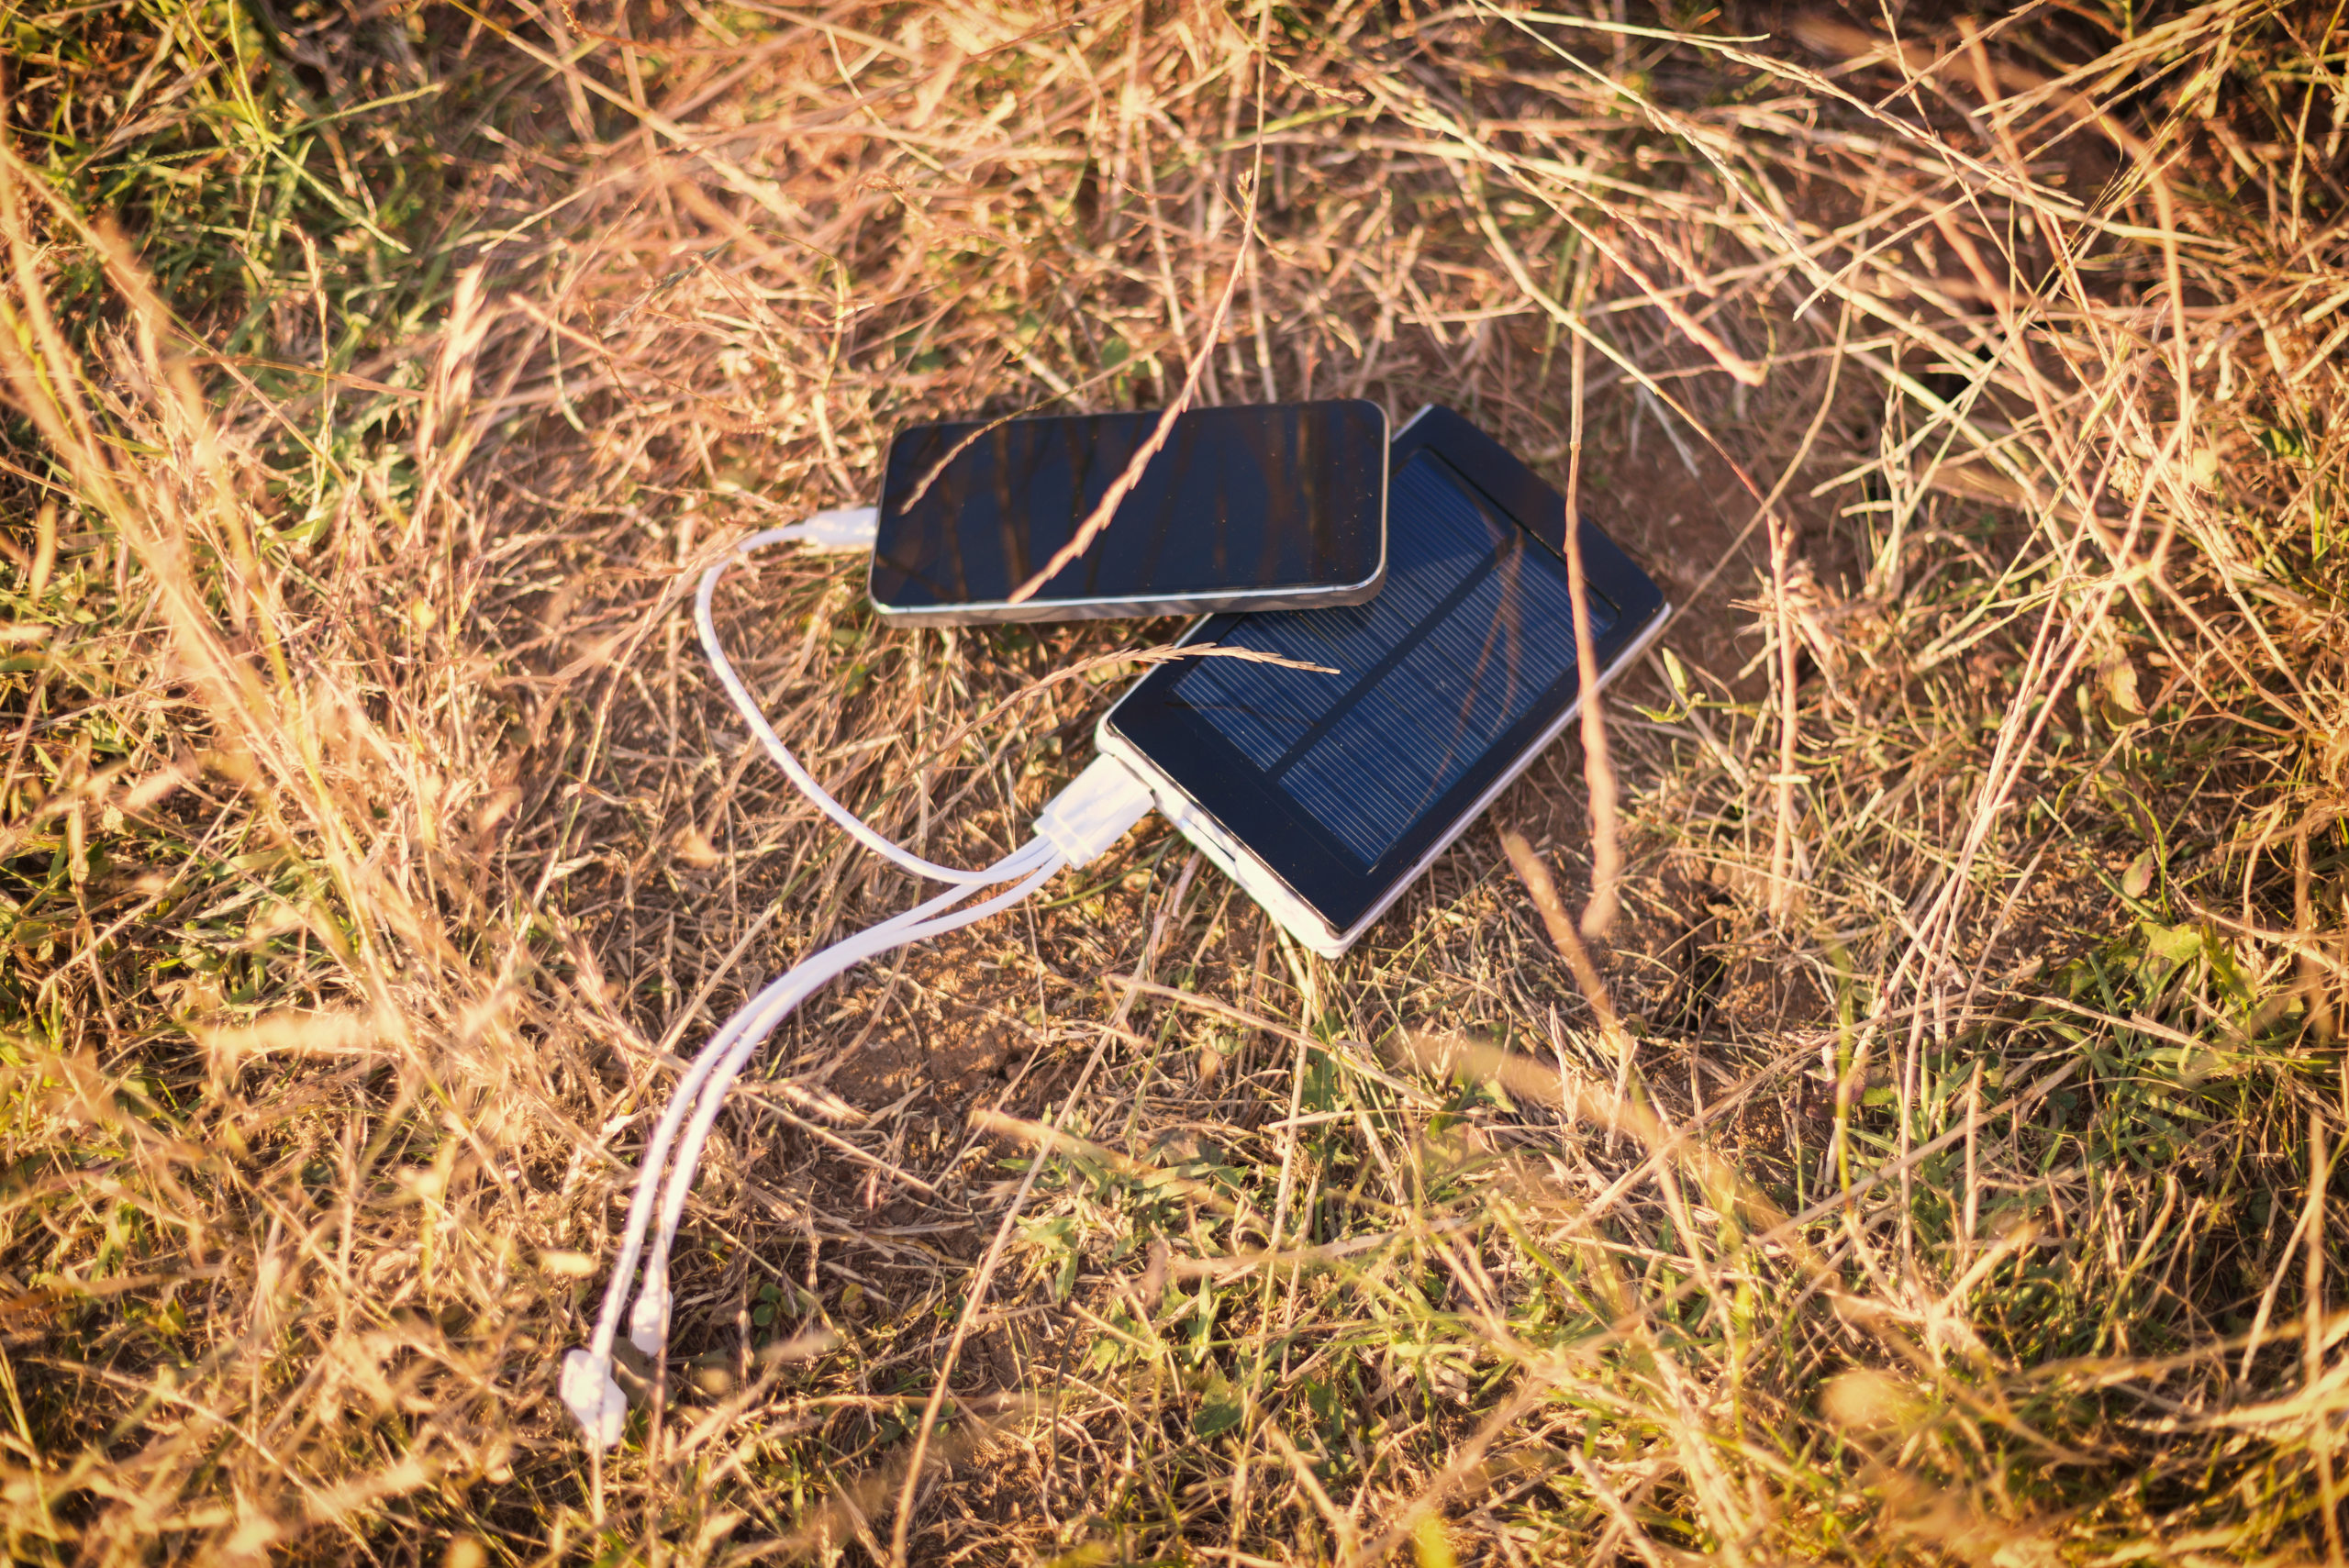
[1411, 695]
[1511, 628]
[1419, 579]
[1410, 738]
[1483, 662]
[1261, 703]
[1473, 629]
[1451, 718]
[1273, 713]
[1260, 716]
[1364, 819]
[1429, 563]
[1395, 656]
[1376, 770]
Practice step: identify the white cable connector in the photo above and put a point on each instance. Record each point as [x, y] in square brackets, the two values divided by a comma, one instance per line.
[842, 529]
[1094, 811]
[1079, 824]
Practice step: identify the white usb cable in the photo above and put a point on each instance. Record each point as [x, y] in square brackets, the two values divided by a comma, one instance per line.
[1092, 813]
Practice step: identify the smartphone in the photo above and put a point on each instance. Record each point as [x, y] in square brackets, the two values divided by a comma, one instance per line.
[1259, 507]
[1325, 796]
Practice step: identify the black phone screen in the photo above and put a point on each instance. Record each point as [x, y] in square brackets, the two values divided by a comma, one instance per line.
[1255, 506]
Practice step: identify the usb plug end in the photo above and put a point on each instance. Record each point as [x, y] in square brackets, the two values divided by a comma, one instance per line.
[1094, 811]
[842, 529]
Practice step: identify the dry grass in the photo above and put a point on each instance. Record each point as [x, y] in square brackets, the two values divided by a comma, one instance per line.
[372, 842]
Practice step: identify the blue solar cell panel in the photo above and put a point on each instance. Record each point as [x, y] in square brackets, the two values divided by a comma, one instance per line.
[1472, 629]
[1511, 631]
[1262, 708]
[1384, 762]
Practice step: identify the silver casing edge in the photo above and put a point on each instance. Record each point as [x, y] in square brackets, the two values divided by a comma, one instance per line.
[1248, 601]
[1263, 884]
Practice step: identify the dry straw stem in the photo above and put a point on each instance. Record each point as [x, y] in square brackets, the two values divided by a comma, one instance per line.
[1935, 1157]
[1606, 839]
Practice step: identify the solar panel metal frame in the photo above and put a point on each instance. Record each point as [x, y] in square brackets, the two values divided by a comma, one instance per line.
[1259, 834]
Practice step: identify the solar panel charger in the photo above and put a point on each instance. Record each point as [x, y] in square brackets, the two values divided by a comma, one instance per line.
[1325, 796]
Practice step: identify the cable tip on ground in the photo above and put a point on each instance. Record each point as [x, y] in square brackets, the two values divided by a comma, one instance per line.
[594, 1398]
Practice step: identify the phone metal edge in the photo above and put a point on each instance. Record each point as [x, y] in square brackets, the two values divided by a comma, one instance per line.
[1031, 611]
[1239, 601]
[1266, 887]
